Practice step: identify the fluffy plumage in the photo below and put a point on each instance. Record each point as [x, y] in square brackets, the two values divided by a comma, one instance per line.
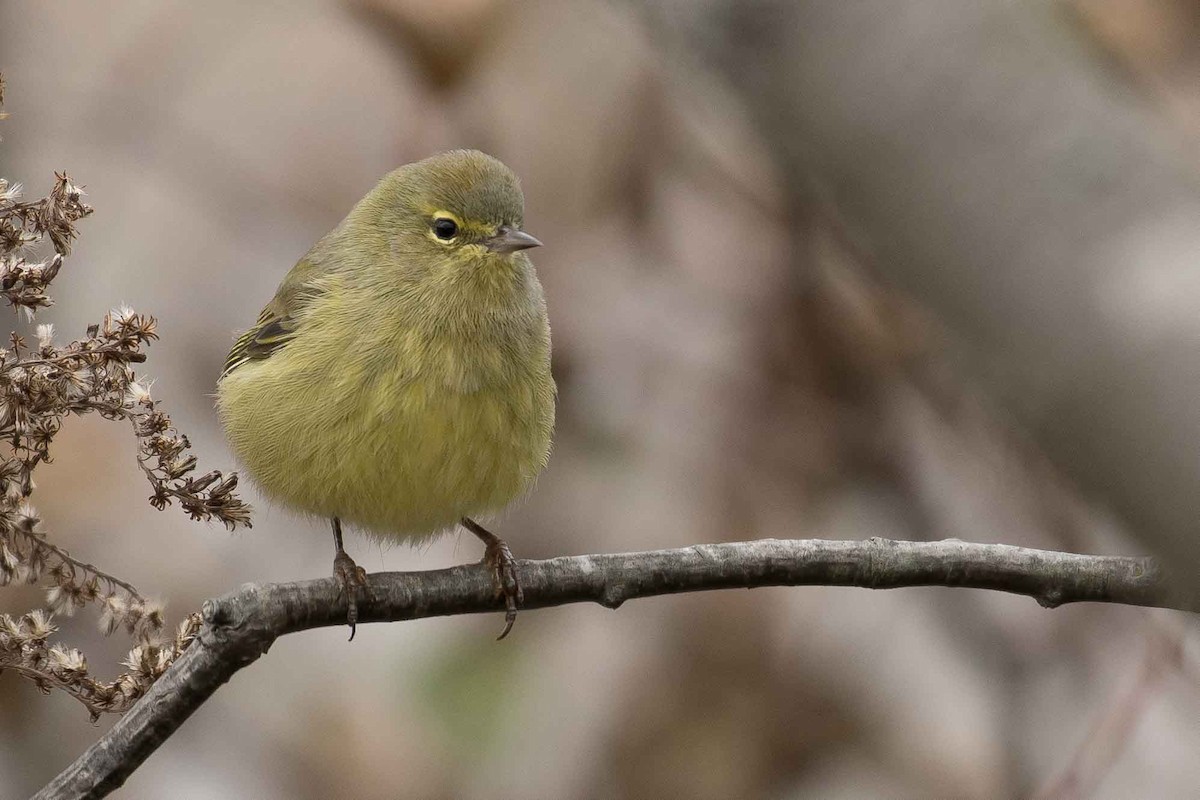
[398, 380]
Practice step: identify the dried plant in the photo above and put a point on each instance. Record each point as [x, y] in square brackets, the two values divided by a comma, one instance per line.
[40, 385]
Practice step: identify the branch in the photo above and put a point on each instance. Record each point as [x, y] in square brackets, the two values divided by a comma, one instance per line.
[240, 627]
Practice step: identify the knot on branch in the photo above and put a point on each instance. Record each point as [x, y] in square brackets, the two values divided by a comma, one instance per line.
[613, 595]
[1051, 598]
[873, 570]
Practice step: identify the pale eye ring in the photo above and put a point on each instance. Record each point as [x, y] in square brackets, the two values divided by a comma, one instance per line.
[445, 229]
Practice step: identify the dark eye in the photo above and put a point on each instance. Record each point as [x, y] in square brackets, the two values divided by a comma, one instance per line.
[445, 228]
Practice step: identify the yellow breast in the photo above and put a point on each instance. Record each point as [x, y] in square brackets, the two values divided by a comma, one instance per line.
[398, 428]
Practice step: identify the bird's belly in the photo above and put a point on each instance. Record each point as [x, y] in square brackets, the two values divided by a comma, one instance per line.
[408, 460]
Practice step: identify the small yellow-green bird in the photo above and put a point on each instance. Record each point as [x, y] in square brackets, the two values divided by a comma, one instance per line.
[399, 380]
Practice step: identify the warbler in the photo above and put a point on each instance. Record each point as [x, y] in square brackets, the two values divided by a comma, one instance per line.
[399, 380]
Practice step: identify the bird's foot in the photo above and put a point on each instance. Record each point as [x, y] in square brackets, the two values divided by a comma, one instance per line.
[504, 571]
[351, 579]
[504, 575]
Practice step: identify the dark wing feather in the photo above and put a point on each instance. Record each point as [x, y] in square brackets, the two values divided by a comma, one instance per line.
[270, 333]
[276, 324]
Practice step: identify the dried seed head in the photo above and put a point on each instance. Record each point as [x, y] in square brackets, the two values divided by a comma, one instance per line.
[68, 662]
[38, 624]
[39, 389]
[138, 394]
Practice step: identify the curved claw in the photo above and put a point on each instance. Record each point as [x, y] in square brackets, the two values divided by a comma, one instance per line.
[351, 579]
[504, 571]
[510, 614]
[508, 586]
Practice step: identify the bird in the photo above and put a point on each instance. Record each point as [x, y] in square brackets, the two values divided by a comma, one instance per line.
[399, 380]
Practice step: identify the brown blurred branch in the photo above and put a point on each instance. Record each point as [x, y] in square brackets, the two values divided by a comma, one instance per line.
[994, 170]
[240, 627]
[1111, 733]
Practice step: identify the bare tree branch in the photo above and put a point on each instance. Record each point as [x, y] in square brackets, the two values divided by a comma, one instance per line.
[240, 627]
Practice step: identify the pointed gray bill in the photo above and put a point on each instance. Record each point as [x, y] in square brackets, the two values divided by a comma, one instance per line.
[510, 240]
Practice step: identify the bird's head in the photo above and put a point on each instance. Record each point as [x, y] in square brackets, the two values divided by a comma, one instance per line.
[458, 207]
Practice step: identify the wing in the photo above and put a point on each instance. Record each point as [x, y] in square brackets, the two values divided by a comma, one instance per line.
[276, 324]
[270, 333]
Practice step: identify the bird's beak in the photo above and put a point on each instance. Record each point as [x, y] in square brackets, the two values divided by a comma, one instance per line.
[510, 240]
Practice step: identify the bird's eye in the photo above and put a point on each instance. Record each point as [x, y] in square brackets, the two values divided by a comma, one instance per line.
[445, 228]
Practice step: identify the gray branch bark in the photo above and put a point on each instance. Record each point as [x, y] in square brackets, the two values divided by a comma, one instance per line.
[240, 627]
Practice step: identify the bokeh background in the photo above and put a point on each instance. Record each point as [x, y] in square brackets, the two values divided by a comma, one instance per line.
[815, 269]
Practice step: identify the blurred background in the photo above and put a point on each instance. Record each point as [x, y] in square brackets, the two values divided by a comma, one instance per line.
[815, 269]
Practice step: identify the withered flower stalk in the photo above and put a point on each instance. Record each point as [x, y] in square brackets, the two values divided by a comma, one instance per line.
[43, 383]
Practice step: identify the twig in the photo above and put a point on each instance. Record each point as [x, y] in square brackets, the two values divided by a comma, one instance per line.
[240, 627]
[33, 540]
[1111, 733]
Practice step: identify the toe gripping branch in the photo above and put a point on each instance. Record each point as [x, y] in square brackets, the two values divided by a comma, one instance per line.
[351, 578]
[499, 557]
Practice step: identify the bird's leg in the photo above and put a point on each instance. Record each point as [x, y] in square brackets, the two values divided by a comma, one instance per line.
[351, 577]
[504, 571]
